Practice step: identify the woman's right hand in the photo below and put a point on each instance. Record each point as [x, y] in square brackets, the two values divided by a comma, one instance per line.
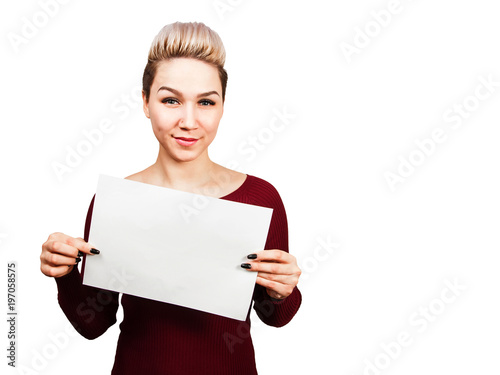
[60, 254]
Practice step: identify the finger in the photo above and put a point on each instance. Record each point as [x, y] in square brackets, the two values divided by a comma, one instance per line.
[55, 260]
[281, 289]
[283, 279]
[275, 255]
[276, 268]
[81, 245]
[55, 271]
[62, 248]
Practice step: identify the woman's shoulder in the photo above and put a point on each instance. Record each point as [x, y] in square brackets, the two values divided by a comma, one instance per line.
[264, 186]
[235, 179]
[258, 191]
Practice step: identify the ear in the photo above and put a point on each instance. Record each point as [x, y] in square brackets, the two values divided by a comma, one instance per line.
[145, 106]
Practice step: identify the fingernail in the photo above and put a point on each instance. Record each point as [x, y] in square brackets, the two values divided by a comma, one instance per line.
[246, 265]
[78, 260]
[252, 256]
[79, 253]
[94, 251]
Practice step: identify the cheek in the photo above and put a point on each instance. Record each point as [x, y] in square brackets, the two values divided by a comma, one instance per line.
[211, 121]
[160, 121]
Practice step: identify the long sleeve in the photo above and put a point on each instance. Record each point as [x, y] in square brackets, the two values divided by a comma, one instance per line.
[90, 310]
[273, 312]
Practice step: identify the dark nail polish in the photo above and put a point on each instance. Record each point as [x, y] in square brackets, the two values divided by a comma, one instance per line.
[79, 253]
[95, 251]
[252, 256]
[78, 260]
[246, 265]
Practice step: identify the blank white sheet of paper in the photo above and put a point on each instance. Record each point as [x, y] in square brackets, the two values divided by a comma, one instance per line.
[175, 247]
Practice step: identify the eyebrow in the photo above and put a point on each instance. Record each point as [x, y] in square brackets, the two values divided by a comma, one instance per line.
[176, 92]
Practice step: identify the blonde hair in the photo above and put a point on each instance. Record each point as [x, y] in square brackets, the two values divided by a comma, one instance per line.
[193, 40]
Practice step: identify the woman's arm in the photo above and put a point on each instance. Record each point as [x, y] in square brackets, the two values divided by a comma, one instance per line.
[278, 272]
[90, 310]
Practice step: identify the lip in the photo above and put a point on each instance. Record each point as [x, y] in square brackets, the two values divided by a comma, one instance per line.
[186, 142]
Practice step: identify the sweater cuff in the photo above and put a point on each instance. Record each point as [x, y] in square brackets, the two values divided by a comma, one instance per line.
[293, 298]
[70, 282]
[275, 301]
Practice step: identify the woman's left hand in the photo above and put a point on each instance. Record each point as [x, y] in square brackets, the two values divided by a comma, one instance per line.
[277, 271]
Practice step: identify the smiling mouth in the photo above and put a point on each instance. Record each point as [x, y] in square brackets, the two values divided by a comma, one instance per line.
[186, 141]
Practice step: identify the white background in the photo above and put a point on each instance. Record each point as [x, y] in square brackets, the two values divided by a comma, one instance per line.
[353, 119]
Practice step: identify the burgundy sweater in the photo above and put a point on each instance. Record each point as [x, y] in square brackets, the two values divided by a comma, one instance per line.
[161, 338]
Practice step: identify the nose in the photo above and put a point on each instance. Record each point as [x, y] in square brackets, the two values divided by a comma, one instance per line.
[188, 120]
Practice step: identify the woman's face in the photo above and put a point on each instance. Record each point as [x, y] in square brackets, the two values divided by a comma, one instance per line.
[185, 107]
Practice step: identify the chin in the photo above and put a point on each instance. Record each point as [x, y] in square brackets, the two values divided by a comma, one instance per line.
[185, 159]
[183, 156]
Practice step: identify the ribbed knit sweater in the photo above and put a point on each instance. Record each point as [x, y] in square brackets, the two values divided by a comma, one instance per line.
[161, 338]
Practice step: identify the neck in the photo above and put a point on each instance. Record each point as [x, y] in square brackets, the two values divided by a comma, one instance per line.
[182, 175]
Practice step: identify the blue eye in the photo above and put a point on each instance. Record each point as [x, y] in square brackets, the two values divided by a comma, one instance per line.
[206, 102]
[170, 101]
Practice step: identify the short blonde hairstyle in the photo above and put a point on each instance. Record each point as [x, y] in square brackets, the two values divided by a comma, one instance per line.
[191, 39]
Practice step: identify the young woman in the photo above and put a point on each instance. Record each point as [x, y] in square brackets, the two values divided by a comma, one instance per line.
[184, 87]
